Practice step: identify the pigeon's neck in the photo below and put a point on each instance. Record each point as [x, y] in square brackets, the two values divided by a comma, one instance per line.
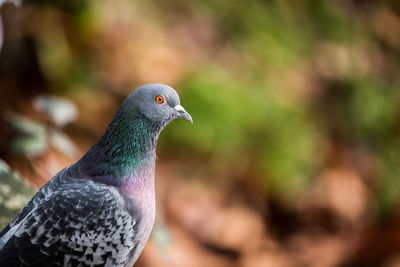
[125, 153]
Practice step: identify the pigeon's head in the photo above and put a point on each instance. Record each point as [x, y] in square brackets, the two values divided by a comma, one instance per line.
[158, 103]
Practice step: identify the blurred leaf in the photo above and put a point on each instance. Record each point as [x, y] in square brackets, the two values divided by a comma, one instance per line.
[63, 143]
[14, 194]
[58, 110]
[31, 135]
[161, 235]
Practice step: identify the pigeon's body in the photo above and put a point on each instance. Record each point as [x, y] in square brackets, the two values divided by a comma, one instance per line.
[100, 210]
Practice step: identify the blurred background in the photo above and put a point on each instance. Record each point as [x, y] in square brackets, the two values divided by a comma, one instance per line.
[294, 155]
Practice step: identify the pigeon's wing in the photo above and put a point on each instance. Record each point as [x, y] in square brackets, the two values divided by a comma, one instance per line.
[46, 192]
[89, 224]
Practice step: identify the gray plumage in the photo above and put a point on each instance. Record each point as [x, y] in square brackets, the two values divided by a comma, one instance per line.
[100, 210]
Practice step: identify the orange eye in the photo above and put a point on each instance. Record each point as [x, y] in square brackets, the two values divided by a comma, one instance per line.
[159, 99]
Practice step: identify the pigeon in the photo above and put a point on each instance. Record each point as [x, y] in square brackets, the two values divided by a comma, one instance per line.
[100, 210]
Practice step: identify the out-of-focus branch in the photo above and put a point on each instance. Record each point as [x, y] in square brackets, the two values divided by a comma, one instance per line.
[2, 2]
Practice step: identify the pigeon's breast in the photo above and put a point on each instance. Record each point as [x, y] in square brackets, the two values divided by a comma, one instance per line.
[145, 205]
[142, 201]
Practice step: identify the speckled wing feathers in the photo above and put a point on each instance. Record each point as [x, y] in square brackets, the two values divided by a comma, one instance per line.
[81, 224]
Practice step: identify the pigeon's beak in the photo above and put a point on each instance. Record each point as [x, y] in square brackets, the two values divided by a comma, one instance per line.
[182, 113]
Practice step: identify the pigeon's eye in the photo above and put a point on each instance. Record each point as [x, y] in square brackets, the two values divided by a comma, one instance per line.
[159, 99]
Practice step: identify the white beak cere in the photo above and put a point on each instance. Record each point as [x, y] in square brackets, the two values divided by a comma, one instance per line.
[183, 114]
[179, 108]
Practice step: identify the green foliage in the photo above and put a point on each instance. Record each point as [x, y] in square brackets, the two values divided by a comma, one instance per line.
[373, 107]
[240, 119]
[234, 61]
[241, 116]
[374, 112]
